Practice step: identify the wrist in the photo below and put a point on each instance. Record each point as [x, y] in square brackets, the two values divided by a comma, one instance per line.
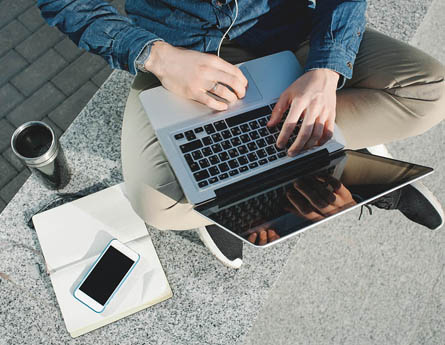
[154, 60]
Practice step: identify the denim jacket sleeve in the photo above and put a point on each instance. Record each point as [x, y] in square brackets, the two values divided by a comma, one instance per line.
[336, 35]
[96, 26]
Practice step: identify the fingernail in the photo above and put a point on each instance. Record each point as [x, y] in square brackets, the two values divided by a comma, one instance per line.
[290, 153]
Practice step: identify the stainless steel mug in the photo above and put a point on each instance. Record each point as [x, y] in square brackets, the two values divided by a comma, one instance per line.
[37, 146]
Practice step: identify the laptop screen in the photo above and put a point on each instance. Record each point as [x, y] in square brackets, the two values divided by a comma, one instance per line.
[277, 209]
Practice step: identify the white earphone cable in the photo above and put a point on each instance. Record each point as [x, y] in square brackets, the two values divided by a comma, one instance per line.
[233, 22]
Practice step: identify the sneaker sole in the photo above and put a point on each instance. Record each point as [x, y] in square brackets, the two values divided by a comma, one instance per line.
[211, 246]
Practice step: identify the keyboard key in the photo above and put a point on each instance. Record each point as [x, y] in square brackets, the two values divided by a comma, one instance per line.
[193, 166]
[179, 136]
[245, 128]
[273, 129]
[216, 148]
[213, 171]
[262, 161]
[254, 125]
[272, 105]
[242, 149]
[242, 160]
[281, 154]
[204, 163]
[252, 157]
[206, 151]
[235, 131]
[271, 149]
[253, 165]
[261, 153]
[226, 134]
[245, 138]
[188, 158]
[202, 184]
[193, 145]
[244, 168]
[214, 159]
[196, 155]
[272, 158]
[216, 137]
[223, 176]
[199, 129]
[261, 143]
[235, 141]
[201, 175]
[270, 140]
[263, 132]
[233, 153]
[223, 156]
[207, 141]
[209, 128]
[190, 135]
[254, 135]
[213, 180]
[233, 172]
[220, 125]
[248, 116]
[223, 167]
[233, 164]
[226, 145]
[263, 121]
[252, 146]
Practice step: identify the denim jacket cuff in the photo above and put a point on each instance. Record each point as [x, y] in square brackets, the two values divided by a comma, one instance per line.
[334, 57]
[127, 46]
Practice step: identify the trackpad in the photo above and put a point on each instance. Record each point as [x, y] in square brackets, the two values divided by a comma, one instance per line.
[253, 95]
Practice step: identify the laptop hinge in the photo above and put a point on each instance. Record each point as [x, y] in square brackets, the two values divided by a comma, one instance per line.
[273, 176]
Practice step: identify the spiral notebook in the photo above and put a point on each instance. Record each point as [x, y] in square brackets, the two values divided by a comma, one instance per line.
[73, 235]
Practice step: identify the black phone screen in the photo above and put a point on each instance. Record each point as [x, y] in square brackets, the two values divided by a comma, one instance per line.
[106, 275]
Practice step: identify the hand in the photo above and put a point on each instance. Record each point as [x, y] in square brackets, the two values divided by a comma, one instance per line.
[316, 198]
[263, 236]
[192, 74]
[313, 98]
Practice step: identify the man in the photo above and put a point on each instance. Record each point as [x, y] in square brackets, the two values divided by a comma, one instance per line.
[375, 88]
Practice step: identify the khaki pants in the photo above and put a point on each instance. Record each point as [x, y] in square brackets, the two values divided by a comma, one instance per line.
[396, 91]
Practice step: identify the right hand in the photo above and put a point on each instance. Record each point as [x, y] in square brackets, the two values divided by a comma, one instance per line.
[192, 74]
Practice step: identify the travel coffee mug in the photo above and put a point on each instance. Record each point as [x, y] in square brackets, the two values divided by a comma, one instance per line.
[36, 145]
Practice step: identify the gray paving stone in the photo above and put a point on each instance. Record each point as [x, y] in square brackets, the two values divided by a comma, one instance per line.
[101, 76]
[13, 159]
[32, 18]
[68, 49]
[9, 98]
[7, 173]
[11, 64]
[40, 71]
[55, 128]
[13, 186]
[11, 35]
[9, 9]
[6, 131]
[37, 106]
[65, 113]
[2, 205]
[39, 42]
[78, 72]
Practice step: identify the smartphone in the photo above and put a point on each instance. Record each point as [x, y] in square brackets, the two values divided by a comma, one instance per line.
[106, 275]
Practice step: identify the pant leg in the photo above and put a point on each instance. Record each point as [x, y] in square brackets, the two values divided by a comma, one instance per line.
[151, 185]
[396, 91]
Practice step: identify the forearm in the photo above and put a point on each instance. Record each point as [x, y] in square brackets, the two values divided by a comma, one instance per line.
[96, 26]
[336, 35]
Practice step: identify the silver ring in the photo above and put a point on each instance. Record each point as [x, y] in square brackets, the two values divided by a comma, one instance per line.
[214, 87]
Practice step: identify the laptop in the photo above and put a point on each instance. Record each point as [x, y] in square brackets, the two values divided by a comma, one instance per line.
[230, 169]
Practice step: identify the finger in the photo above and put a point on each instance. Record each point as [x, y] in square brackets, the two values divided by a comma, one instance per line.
[303, 207]
[205, 99]
[278, 110]
[295, 112]
[227, 67]
[228, 79]
[252, 237]
[305, 132]
[310, 192]
[272, 235]
[317, 132]
[222, 91]
[328, 131]
[263, 238]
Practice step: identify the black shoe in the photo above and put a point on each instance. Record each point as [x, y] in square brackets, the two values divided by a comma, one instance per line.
[227, 248]
[416, 202]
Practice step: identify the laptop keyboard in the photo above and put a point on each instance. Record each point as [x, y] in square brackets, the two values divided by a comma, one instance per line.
[226, 148]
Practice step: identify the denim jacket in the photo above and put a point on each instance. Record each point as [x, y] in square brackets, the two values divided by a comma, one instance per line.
[335, 27]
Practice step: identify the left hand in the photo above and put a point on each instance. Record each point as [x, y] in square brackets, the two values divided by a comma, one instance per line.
[313, 98]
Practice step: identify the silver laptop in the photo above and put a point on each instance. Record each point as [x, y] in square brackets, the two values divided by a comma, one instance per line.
[230, 168]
